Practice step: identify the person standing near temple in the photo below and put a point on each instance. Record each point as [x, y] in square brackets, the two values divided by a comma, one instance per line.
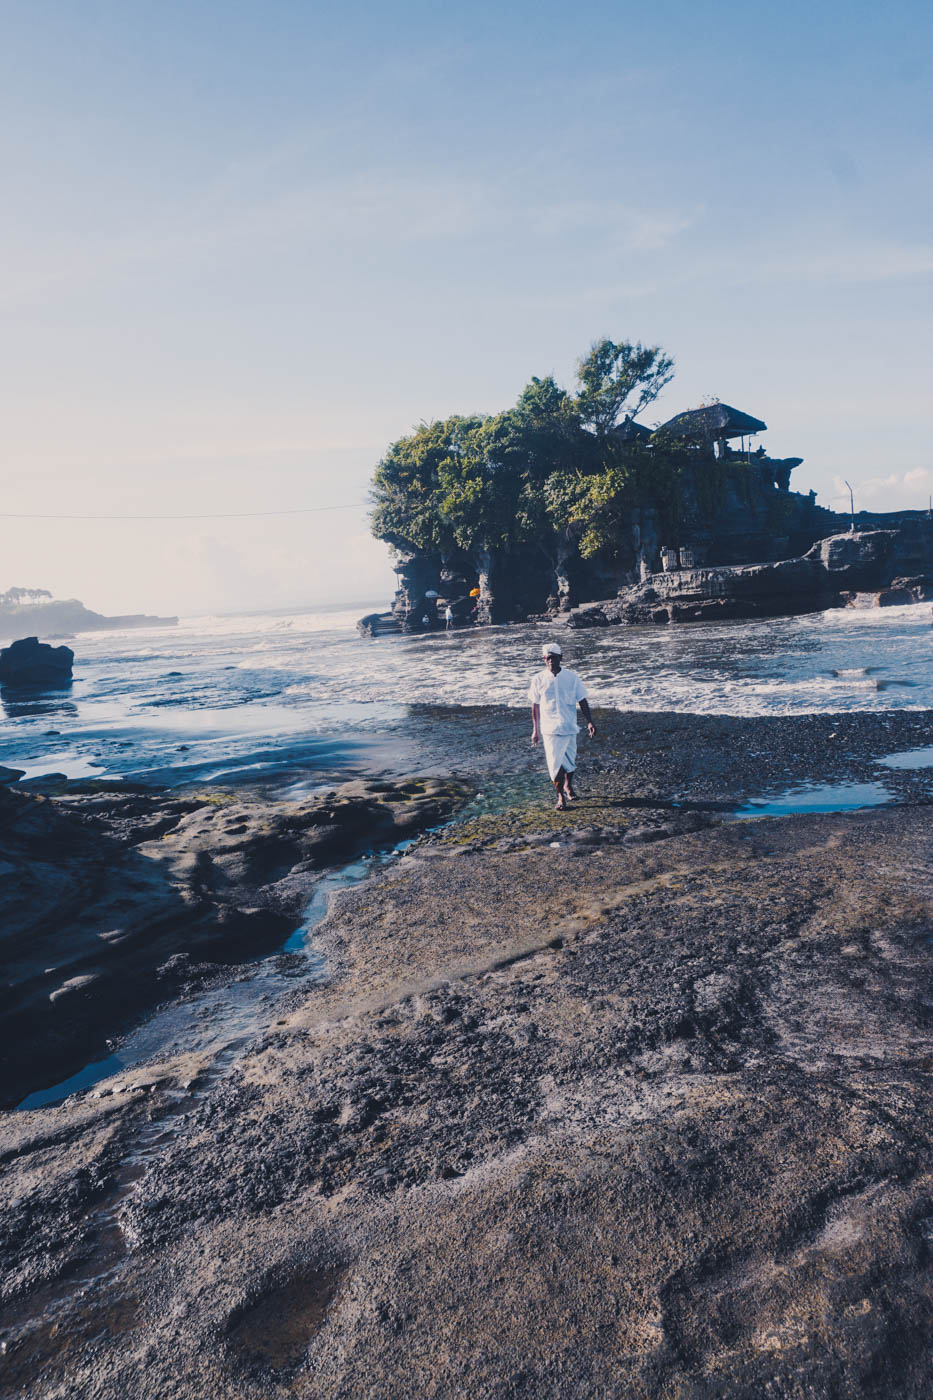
[555, 693]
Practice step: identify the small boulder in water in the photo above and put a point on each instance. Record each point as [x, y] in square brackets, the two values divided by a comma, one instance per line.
[29, 662]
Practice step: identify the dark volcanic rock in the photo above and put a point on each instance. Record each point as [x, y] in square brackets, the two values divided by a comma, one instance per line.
[626, 1102]
[30, 662]
[868, 567]
[901, 591]
[836, 572]
[99, 891]
[668, 1138]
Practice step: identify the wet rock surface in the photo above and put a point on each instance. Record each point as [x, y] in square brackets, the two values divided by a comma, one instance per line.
[113, 899]
[835, 572]
[633, 1101]
[31, 663]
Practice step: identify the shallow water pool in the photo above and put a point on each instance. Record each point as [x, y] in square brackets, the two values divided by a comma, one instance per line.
[817, 797]
[910, 759]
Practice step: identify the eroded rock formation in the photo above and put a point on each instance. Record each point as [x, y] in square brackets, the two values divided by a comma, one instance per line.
[29, 662]
[861, 568]
[731, 511]
[103, 891]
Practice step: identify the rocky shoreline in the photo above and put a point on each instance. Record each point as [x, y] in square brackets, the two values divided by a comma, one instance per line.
[869, 567]
[116, 899]
[62, 617]
[628, 1102]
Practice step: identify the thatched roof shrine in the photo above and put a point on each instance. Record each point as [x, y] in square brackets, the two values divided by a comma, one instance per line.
[715, 422]
[630, 431]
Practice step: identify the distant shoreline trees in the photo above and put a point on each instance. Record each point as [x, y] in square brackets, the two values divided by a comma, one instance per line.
[23, 597]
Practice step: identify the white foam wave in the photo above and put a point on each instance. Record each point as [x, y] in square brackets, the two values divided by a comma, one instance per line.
[338, 619]
[918, 613]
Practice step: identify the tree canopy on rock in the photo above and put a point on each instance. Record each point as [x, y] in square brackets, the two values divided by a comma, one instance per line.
[546, 472]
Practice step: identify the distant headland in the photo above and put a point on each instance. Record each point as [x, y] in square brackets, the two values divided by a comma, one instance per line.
[565, 499]
[35, 611]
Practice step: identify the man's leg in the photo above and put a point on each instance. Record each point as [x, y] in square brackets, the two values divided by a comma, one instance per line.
[560, 777]
[569, 766]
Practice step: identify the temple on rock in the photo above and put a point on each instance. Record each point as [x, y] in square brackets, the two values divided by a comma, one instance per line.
[583, 515]
[715, 425]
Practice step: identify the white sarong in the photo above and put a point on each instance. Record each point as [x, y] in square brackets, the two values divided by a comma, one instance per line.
[560, 751]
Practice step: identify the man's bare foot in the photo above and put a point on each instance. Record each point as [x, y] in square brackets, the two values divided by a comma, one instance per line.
[570, 796]
[561, 804]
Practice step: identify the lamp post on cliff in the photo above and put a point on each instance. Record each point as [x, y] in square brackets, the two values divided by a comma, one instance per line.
[851, 510]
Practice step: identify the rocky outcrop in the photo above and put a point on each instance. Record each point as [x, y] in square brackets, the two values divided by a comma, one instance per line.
[66, 616]
[834, 573]
[102, 889]
[731, 511]
[29, 662]
[670, 1138]
[901, 591]
[377, 624]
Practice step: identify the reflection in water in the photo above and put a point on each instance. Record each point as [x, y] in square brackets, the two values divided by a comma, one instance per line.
[226, 1017]
[818, 797]
[909, 759]
[19, 702]
[90, 1074]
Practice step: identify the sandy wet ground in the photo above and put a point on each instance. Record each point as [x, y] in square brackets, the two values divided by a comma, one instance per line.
[633, 1101]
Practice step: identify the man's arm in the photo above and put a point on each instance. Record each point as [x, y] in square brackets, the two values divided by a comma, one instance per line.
[590, 726]
[535, 723]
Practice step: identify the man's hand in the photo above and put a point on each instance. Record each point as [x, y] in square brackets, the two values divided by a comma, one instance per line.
[535, 736]
[591, 729]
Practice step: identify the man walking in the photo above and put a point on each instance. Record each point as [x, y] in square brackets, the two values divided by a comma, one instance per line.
[554, 694]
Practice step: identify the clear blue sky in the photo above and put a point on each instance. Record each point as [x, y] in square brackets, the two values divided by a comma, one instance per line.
[244, 246]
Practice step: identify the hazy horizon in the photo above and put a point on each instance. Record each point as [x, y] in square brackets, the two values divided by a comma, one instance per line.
[293, 606]
[247, 247]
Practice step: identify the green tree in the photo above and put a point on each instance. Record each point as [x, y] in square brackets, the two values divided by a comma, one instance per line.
[481, 488]
[546, 473]
[406, 489]
[616, 377]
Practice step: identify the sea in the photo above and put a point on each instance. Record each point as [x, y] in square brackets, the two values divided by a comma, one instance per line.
[248, 697]
[220, 698]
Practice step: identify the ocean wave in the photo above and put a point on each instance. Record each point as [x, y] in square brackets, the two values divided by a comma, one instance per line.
[340, 619]
[223, 685]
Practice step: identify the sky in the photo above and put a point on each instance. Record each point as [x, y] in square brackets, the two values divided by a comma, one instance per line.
[245, 246]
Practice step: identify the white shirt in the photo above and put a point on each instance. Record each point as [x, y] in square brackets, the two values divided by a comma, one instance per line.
[557, 698]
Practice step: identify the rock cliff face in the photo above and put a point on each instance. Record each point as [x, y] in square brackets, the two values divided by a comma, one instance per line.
[729, 512]
[763, 551]
[856, 569]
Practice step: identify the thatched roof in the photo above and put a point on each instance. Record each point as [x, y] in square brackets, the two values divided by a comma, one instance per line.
[716, 420]
[630, 431]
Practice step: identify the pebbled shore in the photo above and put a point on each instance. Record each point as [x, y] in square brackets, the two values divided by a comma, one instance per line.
[630, 1102]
